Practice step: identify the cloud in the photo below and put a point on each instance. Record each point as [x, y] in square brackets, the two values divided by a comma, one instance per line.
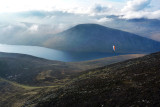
[136, 9]
[141, 14]
[7, 28]
[99, 8]
[34, 28]
[103, 20]
[50, 5]
[136, 5]
[154, 15]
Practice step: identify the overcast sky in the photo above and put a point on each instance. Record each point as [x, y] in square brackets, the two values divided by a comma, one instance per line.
[39, 17]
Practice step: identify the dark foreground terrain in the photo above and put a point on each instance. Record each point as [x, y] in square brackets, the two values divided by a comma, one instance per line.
[135, 82]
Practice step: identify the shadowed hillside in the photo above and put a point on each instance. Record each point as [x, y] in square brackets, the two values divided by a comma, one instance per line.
[97, 38]
[31, 70]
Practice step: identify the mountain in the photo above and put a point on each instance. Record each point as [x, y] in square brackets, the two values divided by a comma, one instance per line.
[97, 38]
[34, 71]
[134, 82]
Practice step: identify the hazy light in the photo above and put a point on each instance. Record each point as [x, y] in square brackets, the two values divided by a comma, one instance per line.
[26, 5]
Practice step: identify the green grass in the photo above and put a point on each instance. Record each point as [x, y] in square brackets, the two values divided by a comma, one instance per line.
[26, 87]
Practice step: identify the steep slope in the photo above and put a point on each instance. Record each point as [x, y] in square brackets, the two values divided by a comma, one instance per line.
[97, 38]
[134, 82]
[31, 70]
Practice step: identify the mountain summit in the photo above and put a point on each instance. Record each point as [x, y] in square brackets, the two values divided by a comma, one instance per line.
[97, 38]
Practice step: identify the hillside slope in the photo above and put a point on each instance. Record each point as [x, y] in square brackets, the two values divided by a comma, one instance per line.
[15, 95]
[36, 71]
[97, 38]
[31, 70]
[134, 82]
[7, 91]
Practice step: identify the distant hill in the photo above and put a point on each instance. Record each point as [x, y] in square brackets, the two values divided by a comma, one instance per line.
[97, 38]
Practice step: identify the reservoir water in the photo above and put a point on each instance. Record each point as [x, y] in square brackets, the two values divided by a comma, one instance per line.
[53, 54]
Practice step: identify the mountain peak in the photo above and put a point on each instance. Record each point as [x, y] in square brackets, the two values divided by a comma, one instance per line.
[89, 26]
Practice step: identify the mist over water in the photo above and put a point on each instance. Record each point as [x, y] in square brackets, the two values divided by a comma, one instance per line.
[53, 54]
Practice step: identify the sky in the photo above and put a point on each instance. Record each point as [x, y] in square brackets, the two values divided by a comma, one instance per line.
[47, 10]
[44, 17]
[50, 5]
[128, 8]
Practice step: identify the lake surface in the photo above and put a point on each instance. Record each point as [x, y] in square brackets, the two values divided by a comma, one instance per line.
[53, 54]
